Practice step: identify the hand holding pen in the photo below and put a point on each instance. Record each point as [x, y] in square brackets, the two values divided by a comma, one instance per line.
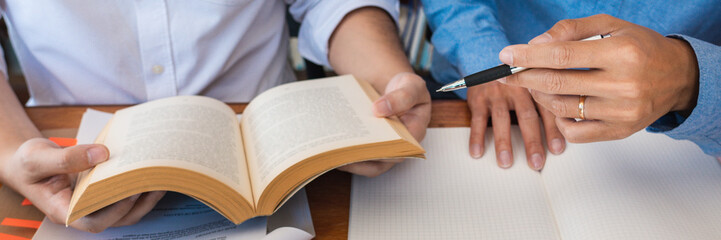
[494, 73]
[499, 99]
[635, 77]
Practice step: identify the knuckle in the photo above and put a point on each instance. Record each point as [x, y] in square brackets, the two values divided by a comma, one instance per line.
[637, 113]
[499, 112]
[631, 52]
[605, 17]
[533, 143]
[25, 154]
[527, 115]
[503, 142]
[407, 79]
[479, 119]
[402, 97]
[553, 81]
[64, 163]
[558, 107]
[566, 25]
[630, 90]
[561, 55]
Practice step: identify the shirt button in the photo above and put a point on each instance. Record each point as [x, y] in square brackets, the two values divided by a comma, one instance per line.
[158, 69]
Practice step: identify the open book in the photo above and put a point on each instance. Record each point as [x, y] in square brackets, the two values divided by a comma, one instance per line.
[195, 145]
[647, 186]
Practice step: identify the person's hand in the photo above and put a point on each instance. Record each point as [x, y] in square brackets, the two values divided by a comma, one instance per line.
[405, 96]
[45, 174]
[634, 77]
[495, 100]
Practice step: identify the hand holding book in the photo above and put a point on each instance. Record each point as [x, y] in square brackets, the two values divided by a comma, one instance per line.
[195, 145]
[407, 98]
[45, 173]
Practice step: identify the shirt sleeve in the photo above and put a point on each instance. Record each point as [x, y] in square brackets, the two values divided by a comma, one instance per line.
[702, 126]
[318, 19]
[467, 35]
[3, 65]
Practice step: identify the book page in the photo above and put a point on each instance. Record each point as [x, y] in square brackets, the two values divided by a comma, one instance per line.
[190, 132]
[292, 122]
[452, 196]
[647, 186]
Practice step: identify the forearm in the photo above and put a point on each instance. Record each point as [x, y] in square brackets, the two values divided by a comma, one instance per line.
[366, 44]
[15, 126]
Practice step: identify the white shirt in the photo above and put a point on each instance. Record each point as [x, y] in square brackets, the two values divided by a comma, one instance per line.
[132, 51]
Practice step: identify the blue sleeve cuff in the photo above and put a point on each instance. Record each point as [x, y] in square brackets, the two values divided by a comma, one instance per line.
[466, 38]
[471, 56]
[702, 126]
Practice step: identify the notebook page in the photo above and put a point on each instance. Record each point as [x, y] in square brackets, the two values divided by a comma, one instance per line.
[647, 186]
[452, 196]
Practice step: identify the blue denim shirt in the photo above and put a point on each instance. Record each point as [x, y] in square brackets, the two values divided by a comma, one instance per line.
[468, 35]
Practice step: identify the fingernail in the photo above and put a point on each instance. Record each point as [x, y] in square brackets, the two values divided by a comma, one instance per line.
[97, 155]
[505, 159]
[506, 56]
[383, 108]
[543, 38]
[476, 151]
[502, 80]
[557, 146]
[134, 197]
[537, 161]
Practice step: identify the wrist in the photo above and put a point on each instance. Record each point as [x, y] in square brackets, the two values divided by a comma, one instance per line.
[688, 92]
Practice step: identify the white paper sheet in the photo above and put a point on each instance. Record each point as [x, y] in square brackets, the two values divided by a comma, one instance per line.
[647, 186]
[451, 196]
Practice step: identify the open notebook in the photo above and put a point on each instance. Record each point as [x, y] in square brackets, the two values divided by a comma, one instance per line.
[647, 186]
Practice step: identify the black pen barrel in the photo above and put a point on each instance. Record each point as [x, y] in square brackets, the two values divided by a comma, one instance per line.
[488, 75]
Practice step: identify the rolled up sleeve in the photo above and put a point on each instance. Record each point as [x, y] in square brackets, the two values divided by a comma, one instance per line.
[320, 18]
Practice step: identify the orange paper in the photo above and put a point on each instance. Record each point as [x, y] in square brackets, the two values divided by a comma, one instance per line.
[64, 142]
[15, 222]
[26, 202]
[11, 237]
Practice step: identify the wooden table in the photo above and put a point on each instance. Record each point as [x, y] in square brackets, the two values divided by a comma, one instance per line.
[328, 195]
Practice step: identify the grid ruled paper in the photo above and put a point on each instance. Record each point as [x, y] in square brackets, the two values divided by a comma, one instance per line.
[647, 186]
[452, 196]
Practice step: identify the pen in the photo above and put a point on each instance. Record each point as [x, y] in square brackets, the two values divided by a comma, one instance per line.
[488, 75]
